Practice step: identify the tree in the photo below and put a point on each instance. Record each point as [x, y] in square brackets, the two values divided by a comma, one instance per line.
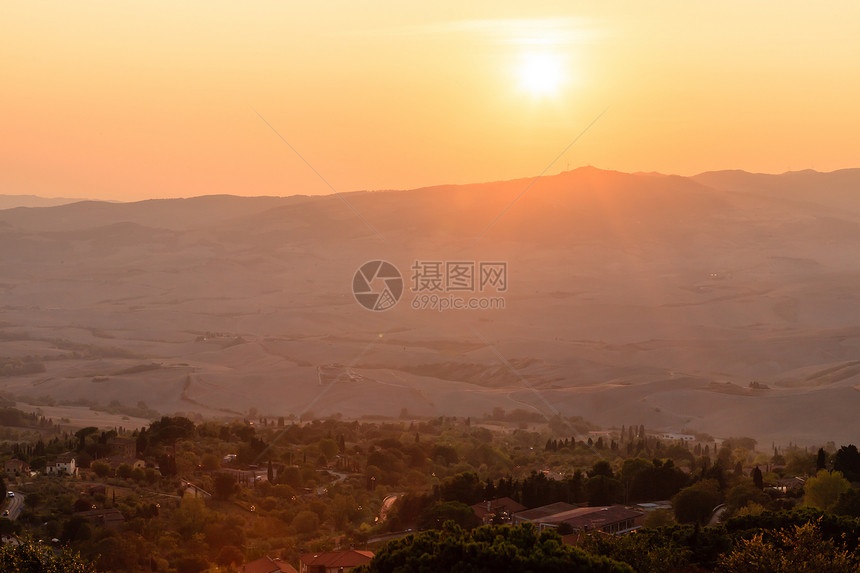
[801, 549]
[501, 549]
[101, 469]
[230, 555]
[123, 471]
[9, 528]
[696, 503]
[847, 461]
[758, 479]
[29, 556]
[33, 500]
[821, 462]
[602, 490]
[848, 503]
[306, 522]
[192, 564]
[210, 462]
[82, 434]
[225, 486]
[744, 494]
[823, 490]
[440, 512]
[658, 518]
[464, 487]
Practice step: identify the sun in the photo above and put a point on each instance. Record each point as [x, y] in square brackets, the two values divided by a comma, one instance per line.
[541, 73]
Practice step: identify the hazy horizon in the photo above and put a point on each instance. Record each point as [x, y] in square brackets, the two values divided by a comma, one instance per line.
[128, 102]
[327, 192]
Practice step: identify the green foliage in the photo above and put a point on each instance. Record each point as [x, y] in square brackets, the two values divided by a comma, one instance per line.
[839, 528]
[466, 488]
[440, 512]
[101, 469]
[16, 418]
[847, 460]
[496, 549]
[848, 503]
[20, 366]
[657, 479]
[31, 557]
[801, 549]
[743, 494]
[659, 518]
[9, 528]
[696, 503]
[169, 429]
[823, 490]
[123, 471]
[603, 490]
[644, 553]
[225, 485]
[676, 548]
[306, 522]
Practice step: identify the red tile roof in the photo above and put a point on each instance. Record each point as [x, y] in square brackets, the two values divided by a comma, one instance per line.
[496, 506]
[351, 558]
[267, 565]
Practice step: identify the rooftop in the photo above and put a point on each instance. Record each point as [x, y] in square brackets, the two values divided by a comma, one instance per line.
[351, 558]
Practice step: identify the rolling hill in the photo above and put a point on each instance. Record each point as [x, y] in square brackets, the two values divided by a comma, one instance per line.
[631, 298]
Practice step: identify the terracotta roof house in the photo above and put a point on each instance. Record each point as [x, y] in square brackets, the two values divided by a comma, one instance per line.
[608, 519]
[267, 565]
[15, 466]
[122, 446]
[63, 465]
[787, 484]
[539, 513]
[115, 461]
[333, 561]
[503, 507]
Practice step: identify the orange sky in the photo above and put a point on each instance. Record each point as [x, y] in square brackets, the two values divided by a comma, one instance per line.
[129, 101]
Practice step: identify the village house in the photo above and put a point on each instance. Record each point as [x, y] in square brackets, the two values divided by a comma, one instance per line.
[500, 509]
[123, 447]
[678, 437]
[786, 485]
[115, 461]
[333, 561]
[15, 466]
[267, 565]
[613, 519]
[538, 514]
[63, 465]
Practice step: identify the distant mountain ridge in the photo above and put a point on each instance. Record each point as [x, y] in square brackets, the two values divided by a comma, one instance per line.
[632, 298]
[13, 201]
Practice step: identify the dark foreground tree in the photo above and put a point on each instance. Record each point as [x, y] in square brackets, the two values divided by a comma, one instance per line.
[801, 549]
[31, 557]
[487, 549]
[696, 504]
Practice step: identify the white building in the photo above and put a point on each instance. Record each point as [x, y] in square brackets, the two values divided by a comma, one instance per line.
[63, 465]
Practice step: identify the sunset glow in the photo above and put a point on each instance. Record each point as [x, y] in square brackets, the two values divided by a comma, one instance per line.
[129, 101]
[541, 73]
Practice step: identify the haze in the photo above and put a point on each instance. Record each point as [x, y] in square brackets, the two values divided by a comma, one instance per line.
[675, 284]
[128, 101]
